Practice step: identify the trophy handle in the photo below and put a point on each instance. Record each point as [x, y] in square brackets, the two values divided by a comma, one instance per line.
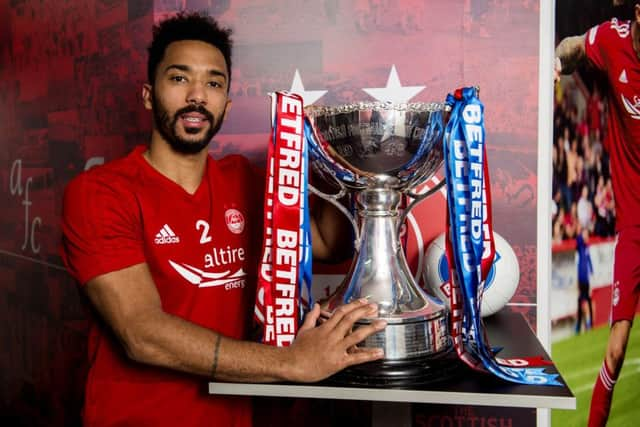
[333, 199]
[417, 198]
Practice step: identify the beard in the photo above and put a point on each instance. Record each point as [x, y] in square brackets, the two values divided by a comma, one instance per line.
[167, 126]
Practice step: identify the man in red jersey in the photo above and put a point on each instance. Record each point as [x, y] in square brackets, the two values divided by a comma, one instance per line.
[613, 48]
[164, 242]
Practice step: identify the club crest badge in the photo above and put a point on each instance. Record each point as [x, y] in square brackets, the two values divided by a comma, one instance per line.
[234, 220]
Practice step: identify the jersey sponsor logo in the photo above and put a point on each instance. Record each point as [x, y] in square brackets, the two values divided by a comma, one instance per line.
[622, 28]
[166, 236]
[633, 108]
[206, 279]
[234, 220]
[623, 77]
[223, 256]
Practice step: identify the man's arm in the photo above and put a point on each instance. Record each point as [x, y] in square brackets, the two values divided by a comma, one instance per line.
[331, 232]
[129, 302]
[570, 53]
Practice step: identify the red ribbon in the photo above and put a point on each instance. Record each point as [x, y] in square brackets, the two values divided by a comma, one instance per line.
[277, 301]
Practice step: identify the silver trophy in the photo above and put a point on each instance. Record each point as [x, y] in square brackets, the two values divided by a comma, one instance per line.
[375, 153]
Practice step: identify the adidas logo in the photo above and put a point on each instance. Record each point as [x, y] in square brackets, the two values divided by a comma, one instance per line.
[623, 77]
[166, 236]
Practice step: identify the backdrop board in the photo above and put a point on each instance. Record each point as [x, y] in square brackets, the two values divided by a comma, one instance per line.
[70, 80]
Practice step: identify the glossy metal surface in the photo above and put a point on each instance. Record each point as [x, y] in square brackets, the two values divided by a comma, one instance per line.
[417, 324]
[378, 151]
[409, 340]
[373, 144]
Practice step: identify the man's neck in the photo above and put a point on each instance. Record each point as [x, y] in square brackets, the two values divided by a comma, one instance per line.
[186, 170]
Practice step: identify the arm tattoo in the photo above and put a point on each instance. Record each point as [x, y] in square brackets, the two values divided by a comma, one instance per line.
[214, 367]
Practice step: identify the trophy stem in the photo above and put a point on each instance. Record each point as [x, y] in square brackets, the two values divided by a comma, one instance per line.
[381, 273]
[416, 324]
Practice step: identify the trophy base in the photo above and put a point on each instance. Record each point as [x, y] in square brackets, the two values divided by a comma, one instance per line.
[402, 373]
[412, 335]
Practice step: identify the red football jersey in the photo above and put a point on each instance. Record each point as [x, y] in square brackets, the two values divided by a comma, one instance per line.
[609, 47]
[202, 251]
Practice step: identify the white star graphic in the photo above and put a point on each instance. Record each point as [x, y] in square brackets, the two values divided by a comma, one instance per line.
[308, 96]
[394, 91]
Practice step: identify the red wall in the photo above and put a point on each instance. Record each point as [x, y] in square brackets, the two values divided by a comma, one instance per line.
[70, 79]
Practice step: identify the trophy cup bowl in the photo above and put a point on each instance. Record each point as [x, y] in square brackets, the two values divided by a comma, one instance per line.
[379, 152]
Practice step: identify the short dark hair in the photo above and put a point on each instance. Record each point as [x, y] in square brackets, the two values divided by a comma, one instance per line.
[188, 26]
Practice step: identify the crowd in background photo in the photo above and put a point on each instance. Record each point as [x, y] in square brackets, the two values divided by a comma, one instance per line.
[582, 191]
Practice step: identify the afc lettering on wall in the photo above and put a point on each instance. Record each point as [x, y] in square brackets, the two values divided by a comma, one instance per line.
[20, 189]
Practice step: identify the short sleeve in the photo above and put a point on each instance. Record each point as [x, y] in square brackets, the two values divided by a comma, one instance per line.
[101, 230]
[592, 46]
[595, 43]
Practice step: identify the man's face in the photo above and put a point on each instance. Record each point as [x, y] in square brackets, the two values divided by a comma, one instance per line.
[189, 96]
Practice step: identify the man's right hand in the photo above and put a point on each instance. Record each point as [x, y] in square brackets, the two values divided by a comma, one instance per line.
[320, 351]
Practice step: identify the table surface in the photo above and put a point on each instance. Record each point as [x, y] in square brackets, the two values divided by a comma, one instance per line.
[505, 329]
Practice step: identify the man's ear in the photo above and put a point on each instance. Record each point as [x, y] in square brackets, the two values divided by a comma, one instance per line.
[147, 95]
[226, 109]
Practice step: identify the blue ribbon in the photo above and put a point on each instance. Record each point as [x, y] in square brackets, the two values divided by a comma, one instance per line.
[464, 166]
[327, 165]
[305, 273]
